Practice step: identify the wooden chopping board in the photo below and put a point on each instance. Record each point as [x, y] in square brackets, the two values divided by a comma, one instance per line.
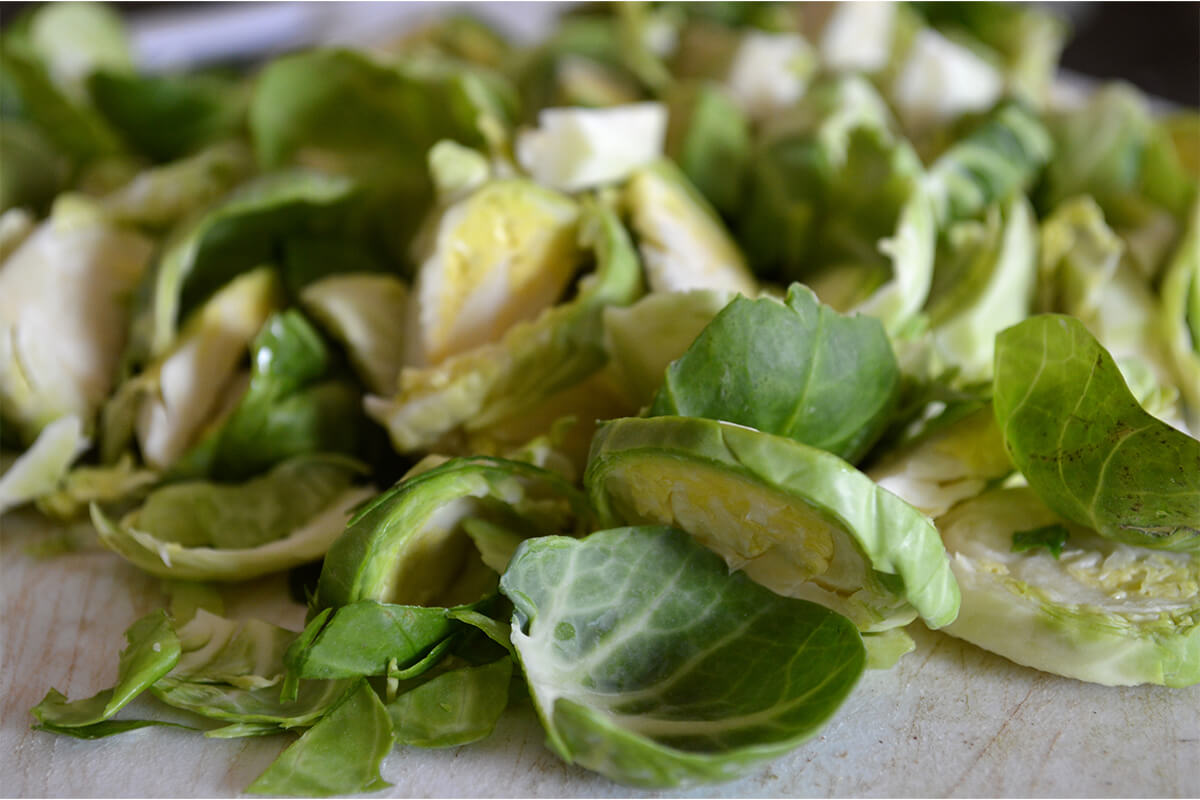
[949, 721]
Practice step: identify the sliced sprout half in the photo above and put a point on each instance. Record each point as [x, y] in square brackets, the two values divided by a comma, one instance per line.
[799, 520]
[948, 466]
[64, 294]
[499, 256]
[1101, 611]
[993, 291]
[583, 148]
[683, 243]
[532, 362]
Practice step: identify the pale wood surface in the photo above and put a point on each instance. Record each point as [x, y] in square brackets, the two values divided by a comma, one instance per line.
[949, 720]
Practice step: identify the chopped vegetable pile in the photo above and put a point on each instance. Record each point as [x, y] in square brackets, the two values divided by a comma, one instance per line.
[656, 375]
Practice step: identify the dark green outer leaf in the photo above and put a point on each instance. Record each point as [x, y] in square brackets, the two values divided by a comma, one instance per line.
[339, 755]
[1086, 447]
[651, 663]
[799, 370]
[167, 117]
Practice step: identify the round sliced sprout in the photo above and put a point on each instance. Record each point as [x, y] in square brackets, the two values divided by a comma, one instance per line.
[683, 243]
[1099, 611]
[189, 383]
[64, 296]
[799, 520]
[366, 312]
[498, 257]
[582, 148]
[409, 545]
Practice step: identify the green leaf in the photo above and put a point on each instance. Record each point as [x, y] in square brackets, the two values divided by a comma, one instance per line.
[363, 638]
[204, 514]
[1051, 537]
[27, 93]
[152, 652]
[651, 663]
[111, 727]
[455, 708]
[798, 369]
[258, 707]
[1084, 444]
[169, 116]
[339, 755]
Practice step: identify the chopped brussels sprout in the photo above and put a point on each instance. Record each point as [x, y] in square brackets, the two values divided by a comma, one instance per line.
[858, 37]
[1180, 316]
[500, 256]
[164, 195]
[982, 287]
[941, 79]
[642, 339]
[532, 363]
[683, 243]
[181, 393]
[789, 515]
[64, 294]
[42, 468]
[936, 472]
[577, 148]
[769, 72]
[1101, 611]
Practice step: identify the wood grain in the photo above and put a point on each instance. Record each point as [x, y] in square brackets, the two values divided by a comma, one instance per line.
[950, 720]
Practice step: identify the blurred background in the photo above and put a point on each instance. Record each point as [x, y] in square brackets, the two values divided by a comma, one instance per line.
[1155, 46]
